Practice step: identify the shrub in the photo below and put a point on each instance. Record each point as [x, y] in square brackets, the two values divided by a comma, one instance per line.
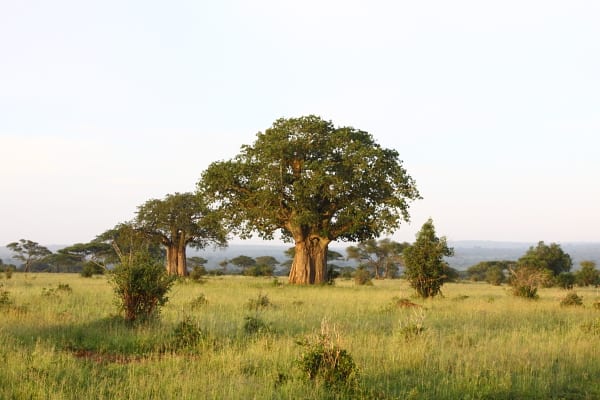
[255, 325]
[495, 276]
[187, 333]
[565, 280]
[198, 273]
[90, 268]
[526, 281]
[362, 277]
[8, 271]
[141, 284]
[571, 299]
[199, 301]
[414, 325]
[259, 270]
[4, 297]
[260, 302]
[324, 360]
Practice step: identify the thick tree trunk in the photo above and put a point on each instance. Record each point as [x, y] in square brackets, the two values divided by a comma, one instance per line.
[172, 257]
[181, 261]
[310, 261]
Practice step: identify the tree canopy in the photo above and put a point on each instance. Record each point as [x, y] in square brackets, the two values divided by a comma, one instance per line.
[313, 183]
[383, 256]
[28, 252]
[547, 257]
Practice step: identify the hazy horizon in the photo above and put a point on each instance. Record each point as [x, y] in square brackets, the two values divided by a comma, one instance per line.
[494, 108]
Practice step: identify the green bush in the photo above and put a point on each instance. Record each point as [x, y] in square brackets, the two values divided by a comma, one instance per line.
[259, 270]
[5, 299]
[90, 269]
[255, 325]
[325, 361]
[199, 301]
[565, 280]
[198, 273]
[571, 299]
[141, 284]
[260, 302]
[362, 277]
[187, 333]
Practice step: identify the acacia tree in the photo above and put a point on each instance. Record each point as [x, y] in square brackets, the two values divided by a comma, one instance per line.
[383, 256]
[28, 252]
[426, 269]
[547, 257]
[314, 183]
[178, 221]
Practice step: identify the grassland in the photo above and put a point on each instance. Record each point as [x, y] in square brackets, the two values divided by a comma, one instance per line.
[477, 342]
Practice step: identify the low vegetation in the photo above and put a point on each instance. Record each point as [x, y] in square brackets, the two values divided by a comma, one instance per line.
[257, 340]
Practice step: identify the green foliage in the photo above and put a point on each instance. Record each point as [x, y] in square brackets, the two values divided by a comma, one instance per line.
[426, 269]
[305, 178]
[572, 299]
[198, 273]
[413, 326]
[260, 302]
[544, 257]
[91, 268]
[141, 285]
[323, 359]
[5, 299]
[383, 257]
[565, 280]
[259, 270]
[199, 301]
[243, 261]
[588, 275]
[255, 326]
[28, 252]
[187, 333]
[362, 276]
[495, 276]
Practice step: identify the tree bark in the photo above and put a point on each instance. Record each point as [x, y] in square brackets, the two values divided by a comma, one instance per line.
[181, 258]
[310, 261]
[172, 257]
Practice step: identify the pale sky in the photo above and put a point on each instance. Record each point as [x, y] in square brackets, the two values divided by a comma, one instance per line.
[494, 106]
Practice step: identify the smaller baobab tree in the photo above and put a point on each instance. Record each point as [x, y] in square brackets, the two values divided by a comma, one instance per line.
[178, 221]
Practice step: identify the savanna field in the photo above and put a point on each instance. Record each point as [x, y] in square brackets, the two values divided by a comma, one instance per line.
[232, 337]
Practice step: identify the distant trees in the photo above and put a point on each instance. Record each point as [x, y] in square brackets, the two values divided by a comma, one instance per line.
[383, 257]
[546, 257]
[493, 272]
[425, 267]
[587, 275]
[178, 221]
[28, 252]
[314, 183]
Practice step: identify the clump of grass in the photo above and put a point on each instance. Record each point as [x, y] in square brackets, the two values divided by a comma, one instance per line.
[571, 299]
[413, 326]
[591, 327]
[199, 302]
[255, 326]
[187, 334]
[260, 302]
[5, 299]
[324, 360]
[398, 302]
[461, 297]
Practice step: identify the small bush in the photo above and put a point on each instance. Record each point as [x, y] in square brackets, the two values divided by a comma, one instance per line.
[255, 325]
[413, 326]
[187, 333]
[526, 281]
[199, 301]
[90, 269]
[198, 273]
[260, 302]
[259, 270]
[324, 360]
[5, 299]
[565, 280]
[572, 299]
[8, 271]
[64, 287]
[141, 284]
[362, 277]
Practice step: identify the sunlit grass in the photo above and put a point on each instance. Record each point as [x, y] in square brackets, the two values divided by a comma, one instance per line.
[478, 341]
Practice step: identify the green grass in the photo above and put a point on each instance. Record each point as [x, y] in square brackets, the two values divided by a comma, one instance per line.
[477, 342]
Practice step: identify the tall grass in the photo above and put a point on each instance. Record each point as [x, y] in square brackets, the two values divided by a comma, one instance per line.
[476, 342]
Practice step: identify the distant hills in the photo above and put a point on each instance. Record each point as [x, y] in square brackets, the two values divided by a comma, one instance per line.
[467, 252]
